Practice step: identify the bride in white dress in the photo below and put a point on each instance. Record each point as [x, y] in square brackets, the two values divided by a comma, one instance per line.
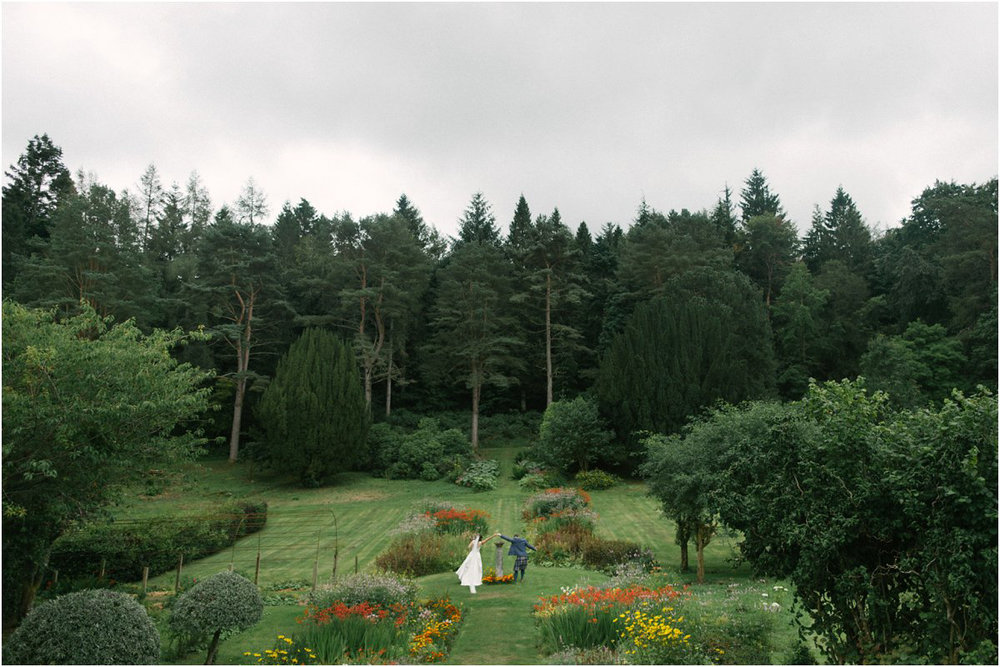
[470, 572]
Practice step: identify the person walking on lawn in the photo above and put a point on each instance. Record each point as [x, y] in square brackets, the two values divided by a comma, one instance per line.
[518, 549]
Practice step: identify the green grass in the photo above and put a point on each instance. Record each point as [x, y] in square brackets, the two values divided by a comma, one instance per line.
[355, 516]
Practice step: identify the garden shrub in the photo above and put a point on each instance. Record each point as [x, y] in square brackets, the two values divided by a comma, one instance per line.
[509, 426]
[378, 589]
[87, 627]
[564, 543]
[451, 520]
[418, 554]
[601, 554]
[533, 482]
[481, 475]
[428, 453]
[157, 543]
[225, 602]
[572, 435]
[554, 500]
[595, 480]
[525, 466]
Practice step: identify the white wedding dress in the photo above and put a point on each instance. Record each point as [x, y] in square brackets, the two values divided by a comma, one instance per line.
[470, 572]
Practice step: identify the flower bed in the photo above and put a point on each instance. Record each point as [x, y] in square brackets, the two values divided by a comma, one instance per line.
[367, 633]
[490, 577]
[587, 617]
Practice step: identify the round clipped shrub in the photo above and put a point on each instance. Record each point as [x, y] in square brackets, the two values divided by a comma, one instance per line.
[225, 602]
[91, 627]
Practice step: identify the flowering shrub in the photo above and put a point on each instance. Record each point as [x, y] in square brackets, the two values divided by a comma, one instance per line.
[646, 638]
[378, 589]
[490, 577]
[437, 625]
[585, 617]
[551, 501]
[453, 521]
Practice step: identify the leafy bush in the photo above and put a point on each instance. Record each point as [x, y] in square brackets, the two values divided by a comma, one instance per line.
[481, 475]
[88, 627]
[600, 554]
[419, 554]
[564, 543]
[378, 589]
[224, 602]
[572, 435]
[509, 426]
[525, 466]
[533, 482]
[428, 453]
[595, 480]
[554, 500]
[156, 543]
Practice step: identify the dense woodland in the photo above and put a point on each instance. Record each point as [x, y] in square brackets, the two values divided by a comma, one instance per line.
[490, 322]
[127, 315]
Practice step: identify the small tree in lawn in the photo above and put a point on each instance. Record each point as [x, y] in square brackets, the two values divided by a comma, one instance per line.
[313, 413]
[572, 435]
[225, 602]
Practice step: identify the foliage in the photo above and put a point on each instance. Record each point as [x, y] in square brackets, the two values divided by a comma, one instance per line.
[595, 480]
[224, 602]
[360, 632]
[381, 589]
[707, 339]
[407, 456]
[87, 405]
[608, 555]
[417, 555]
[88, 627]
[453, 521]
[313, 411]
[156, 543]
[533, 482]
[572, 435]
[884, 521]
[285, 652]
[552, 501]
[438, 625]
[480, 475]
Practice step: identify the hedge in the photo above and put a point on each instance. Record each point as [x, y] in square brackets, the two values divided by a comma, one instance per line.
[157, 543]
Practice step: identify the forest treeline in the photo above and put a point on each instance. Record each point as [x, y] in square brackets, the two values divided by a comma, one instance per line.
[728, 300]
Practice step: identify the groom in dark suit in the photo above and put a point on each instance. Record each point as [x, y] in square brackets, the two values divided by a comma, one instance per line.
[518, 549]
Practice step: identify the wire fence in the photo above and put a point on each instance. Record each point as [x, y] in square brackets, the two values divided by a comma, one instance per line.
[299, 537]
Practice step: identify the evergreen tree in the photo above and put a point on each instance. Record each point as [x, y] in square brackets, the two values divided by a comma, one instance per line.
[150, 201]
[757, 198]
[313, 412]
[706, 339]
[797, 317]
[251, 205]
[839, 235]
[470, 322]
[34, 188]
[724, 218]
[520, 233]
[478, 224]
[768, 247]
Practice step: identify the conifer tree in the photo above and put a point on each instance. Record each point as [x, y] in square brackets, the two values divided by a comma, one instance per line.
[757, 198]
[313, 412]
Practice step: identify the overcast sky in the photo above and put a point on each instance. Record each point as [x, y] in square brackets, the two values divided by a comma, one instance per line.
[588, 107]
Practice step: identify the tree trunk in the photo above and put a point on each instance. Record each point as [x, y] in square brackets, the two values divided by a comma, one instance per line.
[685, 564]
[476, 389]
[682, 539]
[213, 648]
[234, 436]
[700, 545]
[548, 340]
[388, 384]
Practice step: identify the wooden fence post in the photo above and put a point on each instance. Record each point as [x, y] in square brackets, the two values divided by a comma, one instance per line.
[256, 572]
[177, 580]
[55, 578]
[104, 563]
[145, 578]
[355, 563]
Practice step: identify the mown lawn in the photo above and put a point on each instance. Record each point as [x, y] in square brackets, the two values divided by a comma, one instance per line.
[354, 518]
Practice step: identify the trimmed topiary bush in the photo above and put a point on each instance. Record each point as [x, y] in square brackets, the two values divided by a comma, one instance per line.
[225, 602]
[93, 627]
